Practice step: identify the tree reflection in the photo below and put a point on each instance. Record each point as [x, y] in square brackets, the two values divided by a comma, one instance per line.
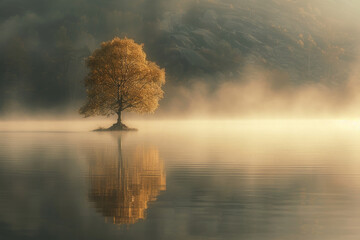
[122, 184]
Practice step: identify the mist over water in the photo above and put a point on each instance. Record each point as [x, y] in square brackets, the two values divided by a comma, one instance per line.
[252, 180]
[267, 94]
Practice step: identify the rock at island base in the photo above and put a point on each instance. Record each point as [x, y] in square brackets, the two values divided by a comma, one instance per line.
[116, 127]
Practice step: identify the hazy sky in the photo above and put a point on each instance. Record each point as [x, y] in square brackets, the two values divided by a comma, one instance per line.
[205, 46]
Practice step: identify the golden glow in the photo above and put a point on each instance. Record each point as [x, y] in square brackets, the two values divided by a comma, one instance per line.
[189, 124]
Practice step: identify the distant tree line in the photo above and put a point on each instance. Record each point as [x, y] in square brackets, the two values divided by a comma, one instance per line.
[43, 44]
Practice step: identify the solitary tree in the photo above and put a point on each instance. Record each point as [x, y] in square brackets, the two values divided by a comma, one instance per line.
[121, 78]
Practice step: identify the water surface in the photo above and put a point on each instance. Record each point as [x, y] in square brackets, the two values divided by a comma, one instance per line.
[183, 180]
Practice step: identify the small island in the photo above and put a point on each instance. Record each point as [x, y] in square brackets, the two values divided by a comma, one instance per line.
[121, 79]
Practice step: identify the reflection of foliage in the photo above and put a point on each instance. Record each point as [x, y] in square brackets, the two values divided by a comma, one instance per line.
[122, 187]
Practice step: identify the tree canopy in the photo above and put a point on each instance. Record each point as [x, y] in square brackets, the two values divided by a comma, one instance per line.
[121, 78]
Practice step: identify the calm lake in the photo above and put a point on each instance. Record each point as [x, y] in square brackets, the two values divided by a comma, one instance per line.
[183, 180]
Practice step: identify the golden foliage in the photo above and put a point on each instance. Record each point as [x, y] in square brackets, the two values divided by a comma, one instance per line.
[121, 78]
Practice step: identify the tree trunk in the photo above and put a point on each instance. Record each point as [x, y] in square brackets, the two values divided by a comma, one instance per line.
[118, 126]
[119, 123]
